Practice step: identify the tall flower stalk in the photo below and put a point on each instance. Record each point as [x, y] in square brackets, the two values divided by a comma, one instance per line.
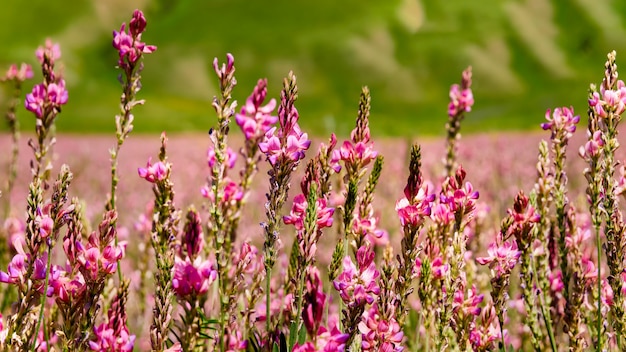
[284, 147]
[461, 101]
[164, 232]
[15, 77]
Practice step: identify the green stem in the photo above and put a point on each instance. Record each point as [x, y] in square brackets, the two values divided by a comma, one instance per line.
[268, 324]
[599, 311]
[548, 322]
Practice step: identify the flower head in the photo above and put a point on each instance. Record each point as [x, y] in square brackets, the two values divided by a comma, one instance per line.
[192, 278]
[153, 172]
[254, 119]
[501, 258]
[358, 286]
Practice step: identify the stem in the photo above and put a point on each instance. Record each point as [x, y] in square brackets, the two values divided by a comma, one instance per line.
[14, 126]
[548, 322]
[599, 311]
[268, 324]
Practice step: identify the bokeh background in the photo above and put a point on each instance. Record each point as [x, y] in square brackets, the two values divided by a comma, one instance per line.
[527, 56]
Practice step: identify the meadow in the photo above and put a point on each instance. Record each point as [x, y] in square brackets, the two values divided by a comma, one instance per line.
[265, 234]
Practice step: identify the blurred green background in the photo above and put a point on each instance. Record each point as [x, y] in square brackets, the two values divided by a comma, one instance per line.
[527, 56]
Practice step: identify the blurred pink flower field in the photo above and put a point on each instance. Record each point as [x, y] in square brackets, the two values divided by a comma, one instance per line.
[499, 165]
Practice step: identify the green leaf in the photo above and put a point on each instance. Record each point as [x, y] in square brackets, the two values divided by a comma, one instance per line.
[302, 335]
[293, 334]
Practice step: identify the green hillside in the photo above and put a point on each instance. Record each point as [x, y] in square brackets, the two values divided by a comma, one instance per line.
[527, 56]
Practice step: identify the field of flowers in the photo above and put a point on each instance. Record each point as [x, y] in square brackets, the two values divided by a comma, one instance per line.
[266, 239]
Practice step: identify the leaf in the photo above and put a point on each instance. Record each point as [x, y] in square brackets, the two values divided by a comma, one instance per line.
[293, 334]
[302, 335]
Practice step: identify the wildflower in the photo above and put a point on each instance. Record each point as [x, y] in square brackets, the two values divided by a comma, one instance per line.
[231, 158]
[485, 331]
[379, 334]
[298, 213]
[230, 193]
[291, 150]
[561, 121]
[314, 302]
[128, 44]
[23, 73]
[107, 339]
[438, 268]
[501, 257]
[63, 287]
[356, 153]
[461, 98]
[96, 260]
[192, 278]
[358, 286]
[611, 101]
[592, 146]
[153, 173]
[35, 100]
[414, 211]
[44, 222]
[325, 341]
[255, 120]
[469, 306]
[50, 51]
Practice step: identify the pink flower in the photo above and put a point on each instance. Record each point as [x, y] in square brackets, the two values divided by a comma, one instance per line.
[367, 228]
[287, 144]
[57, 94]
[469, 306]
[44, 223]
[326, 341]
[356, 153]
[106, 339]
[575, 240]
[562, 119]
[63, 287]
[50, 51]
[612, 100]
[128, 44]
[137, 23]
[358, 286]
[501, 257]
[298, 213]
[255, 120]
[296, 145]
[271, 146]
[192, 278]
[379, 334]
[461, 100]
[153, 173]
[35, 101]
[556, 281]
[593, 145]
[441, 214]
[439, 268]
[485, 331]
[23, 73]
[314, 301]
[16, 270]
[99, 259]
[229, 160]
[230, 193]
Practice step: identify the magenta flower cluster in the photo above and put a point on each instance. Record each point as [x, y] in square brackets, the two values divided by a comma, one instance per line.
[128, 42]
